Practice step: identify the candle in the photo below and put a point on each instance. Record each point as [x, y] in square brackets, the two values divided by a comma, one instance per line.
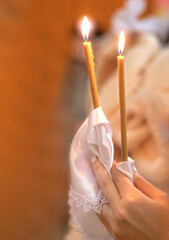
[90, 61]
[120, 63]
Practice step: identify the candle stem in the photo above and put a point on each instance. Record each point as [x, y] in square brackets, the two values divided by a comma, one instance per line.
[122, 108]
[92, 78]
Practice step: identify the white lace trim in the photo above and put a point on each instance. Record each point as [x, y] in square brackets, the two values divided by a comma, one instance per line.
[87, 204]
[94, 204]
[75, 221]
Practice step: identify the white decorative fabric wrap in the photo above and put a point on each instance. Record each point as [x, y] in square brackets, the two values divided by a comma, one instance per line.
[127, 168]
[85, 197]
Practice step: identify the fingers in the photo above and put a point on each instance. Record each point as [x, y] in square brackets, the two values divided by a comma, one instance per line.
[123, 183]
[106, 184]
[126, 187]
[146, 187]
[106, 211]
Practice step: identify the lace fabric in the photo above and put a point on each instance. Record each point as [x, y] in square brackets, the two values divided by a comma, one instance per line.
[77, 200]
[87, 203]
[86, 198]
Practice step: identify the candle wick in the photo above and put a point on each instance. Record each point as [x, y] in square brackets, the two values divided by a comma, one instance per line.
[85, 38]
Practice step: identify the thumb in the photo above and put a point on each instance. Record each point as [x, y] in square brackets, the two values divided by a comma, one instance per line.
[146, 187]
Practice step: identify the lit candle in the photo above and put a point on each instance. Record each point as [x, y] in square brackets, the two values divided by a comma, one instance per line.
[90, 62]
[120, 62]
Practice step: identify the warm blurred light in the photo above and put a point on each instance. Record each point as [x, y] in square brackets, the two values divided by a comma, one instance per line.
[121, 42]
[85, 28]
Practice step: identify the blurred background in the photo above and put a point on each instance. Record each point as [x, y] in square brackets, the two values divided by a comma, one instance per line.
[40, 71]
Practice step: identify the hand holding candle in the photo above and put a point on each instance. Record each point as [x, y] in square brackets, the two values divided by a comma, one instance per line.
[90, 62]
[120, 62]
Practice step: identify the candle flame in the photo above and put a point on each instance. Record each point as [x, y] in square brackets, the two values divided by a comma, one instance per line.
[121, 42]
[85, 28]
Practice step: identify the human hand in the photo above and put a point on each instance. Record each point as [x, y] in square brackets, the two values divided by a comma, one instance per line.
[134, 212]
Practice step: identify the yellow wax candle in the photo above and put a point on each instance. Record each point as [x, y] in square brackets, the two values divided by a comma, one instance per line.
[90, 62]
[120, 62]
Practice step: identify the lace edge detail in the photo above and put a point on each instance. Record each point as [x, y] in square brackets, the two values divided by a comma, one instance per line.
[78, 200]
[87, 204]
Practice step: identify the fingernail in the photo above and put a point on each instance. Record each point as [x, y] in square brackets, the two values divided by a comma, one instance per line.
[114, 164]
[93, 159]
[135, 169]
